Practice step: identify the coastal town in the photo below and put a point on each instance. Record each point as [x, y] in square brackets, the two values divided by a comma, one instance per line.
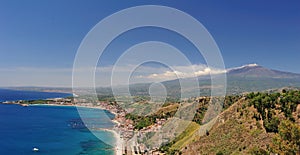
[126, 134]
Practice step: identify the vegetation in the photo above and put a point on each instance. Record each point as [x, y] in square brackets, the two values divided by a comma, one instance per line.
[180, 141]
[35, 102]
[108, 98]
[270, 106]
[256, 123]
[141, 122]
[189, 135]
[288, 139]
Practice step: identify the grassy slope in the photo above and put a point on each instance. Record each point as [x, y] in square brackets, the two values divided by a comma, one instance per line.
[235, 132]
[186, 137]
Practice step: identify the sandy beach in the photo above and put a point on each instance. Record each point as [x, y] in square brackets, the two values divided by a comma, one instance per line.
[119, 142]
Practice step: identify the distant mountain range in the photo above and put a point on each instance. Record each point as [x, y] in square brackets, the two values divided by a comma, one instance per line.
[247, 78]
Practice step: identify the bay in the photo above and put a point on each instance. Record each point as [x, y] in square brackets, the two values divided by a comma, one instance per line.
[54, 130]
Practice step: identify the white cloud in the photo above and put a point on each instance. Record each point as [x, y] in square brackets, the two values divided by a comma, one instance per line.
[209, 71]
[184, 72]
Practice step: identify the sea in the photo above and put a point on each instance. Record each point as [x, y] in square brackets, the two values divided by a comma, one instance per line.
[53, 130]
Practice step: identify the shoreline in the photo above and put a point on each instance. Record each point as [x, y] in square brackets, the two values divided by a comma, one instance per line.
[118, 140]
[79, 106]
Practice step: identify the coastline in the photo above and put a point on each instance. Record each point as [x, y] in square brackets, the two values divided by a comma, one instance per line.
[63, 101]
[118, 141]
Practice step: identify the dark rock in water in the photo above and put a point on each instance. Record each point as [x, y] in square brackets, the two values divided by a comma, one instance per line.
[94, 146]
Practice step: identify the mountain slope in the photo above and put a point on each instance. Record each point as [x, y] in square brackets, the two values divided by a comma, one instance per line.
[259, 123]
[233, 133]
[254, 70]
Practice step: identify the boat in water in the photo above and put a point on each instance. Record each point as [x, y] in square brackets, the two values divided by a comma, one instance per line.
[35, 149]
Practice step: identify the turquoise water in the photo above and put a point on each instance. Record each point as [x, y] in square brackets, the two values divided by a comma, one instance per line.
[55, 130]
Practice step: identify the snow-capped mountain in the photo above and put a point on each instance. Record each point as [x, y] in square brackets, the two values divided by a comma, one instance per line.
[255, 70]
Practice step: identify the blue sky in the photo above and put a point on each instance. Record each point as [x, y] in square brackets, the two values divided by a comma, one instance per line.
[41, 37]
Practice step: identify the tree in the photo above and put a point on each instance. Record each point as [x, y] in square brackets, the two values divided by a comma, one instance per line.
[287, 141]
[271, 125]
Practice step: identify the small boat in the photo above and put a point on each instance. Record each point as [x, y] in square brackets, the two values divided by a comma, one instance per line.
[75, 95]
[35, 149]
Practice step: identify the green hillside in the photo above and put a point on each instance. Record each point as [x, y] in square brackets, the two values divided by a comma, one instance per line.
[259, 123]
